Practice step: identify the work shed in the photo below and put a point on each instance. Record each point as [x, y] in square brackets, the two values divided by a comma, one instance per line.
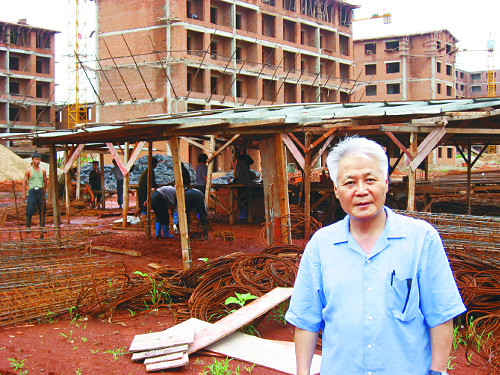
[306, 130]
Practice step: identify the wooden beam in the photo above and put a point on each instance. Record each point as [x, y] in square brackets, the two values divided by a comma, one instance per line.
[427, 145]
[282, 188]
[307, 185]
[181, 203]
[117, 158]
[69, 161]
[149, 187]
[210, 170]
[399, 144]
[293, 150]
[53, 189]
[412, 175]
[296, 140]
[320, 139]
[67, 184]
[199, 145]
[428, 129]
[224, 146]
[323, 148]
[135, 154]
[103, 186]
[126, 180]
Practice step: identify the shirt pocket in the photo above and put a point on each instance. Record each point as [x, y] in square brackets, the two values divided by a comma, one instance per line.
[400, 298]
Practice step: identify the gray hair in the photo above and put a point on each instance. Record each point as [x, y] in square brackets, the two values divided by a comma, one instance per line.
[357, 146]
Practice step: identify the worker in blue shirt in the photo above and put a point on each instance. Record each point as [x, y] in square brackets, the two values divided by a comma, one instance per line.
[377, 284]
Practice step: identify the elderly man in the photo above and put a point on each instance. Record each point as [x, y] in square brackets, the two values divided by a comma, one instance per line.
[377, 284]
[35, 178]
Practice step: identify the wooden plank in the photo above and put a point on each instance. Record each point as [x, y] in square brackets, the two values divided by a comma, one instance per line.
[169, 364]
[427, 145]
[239, 318]
[117, 158]
[72, 158]
[399, 144]
[197, 144]
[133, 253]
[323, 136]
[294, 150]
[282, 188]
[161, 340]
[307, 185]
[224, 146]
[277, 355]
[135, 154]
[164, 358]
[323, 148]
[139, 356]
[181, 203]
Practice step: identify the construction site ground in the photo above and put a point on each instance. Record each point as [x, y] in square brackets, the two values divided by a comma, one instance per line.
[87, 345]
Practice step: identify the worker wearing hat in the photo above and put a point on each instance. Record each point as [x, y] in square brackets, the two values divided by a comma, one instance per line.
[36, 179]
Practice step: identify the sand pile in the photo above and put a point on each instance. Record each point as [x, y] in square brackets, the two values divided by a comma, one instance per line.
[12, 167]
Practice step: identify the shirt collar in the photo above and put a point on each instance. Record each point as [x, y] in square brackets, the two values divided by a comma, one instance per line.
[394, 228]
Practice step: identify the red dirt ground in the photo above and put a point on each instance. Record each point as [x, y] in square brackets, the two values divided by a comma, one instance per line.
[91, 346]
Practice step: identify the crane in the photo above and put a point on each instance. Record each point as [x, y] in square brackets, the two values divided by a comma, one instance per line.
[490, 75]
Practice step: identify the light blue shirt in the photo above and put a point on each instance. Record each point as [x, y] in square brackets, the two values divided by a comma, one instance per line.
[360, 302]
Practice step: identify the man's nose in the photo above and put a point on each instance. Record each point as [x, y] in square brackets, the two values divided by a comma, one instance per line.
[361, 188]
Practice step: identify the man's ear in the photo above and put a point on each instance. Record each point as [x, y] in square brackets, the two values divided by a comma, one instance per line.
[335, 190]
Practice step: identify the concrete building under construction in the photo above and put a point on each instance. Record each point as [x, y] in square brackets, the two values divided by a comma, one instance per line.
[26, 78]
[175, 56]
[406, 67]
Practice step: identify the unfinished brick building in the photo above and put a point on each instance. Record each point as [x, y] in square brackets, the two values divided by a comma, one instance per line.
[160, 56]
[406, 67]
[26, 78]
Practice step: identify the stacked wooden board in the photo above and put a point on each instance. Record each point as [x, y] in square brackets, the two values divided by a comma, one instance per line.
[170, 348]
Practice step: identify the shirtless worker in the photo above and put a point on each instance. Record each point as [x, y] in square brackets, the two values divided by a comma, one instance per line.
[36, 179]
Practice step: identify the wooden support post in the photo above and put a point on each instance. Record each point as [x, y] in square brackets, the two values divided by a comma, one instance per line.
[231, 206]
[210, 170]
[67, 184]
[53, 184]
[469, 175]
[126, 179]
[307, 185]
[412, 174]
[149, 187]
[78, 178]
[103, 185]
[181, 203]
[282, 187]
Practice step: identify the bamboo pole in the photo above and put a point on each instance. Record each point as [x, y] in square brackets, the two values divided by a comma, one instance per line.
[67, 184]
[307, 184]
[149, 187]
[126, 179]
[282, 186]
[210, 170]
[53, 183]
[412, 175]
[103, 186]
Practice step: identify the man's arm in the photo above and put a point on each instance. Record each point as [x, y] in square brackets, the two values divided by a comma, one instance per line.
[441, 341]
[305, 345]
[26, 181]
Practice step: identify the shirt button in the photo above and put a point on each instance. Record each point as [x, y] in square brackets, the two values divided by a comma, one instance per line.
[369, 373]
[369, 288]
[369, 346]
[368, 261]
[370, 317]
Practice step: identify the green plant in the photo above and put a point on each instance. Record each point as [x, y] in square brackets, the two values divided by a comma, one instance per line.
[48, 318]
[451, 364]
[240, 299]
[156, 294]
[219, 368]
[84, 339]
[78, 372]
[249, 369]
[116, 352]
[458, 337]
[69, 338]
[250, 329]
[73, 314]
[17, 365]
[278, 313]
[94, 351]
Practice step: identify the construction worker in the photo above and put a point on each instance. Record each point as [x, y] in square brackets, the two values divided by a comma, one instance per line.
[195, 201]
[36, 179]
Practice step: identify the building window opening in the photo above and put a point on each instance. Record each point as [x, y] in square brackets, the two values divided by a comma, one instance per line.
[438, 67]
[449, 90]
[448, 70]
[14, 88]
[371, 90]
[13, 63]
[214, 85]
[213, 15]
[393, 88]
[439, 88]
[370, 69]
[392, 67]
[289, 5]
[238, 21]
[475, 76]
[449, 152]
[370, 48]
[392, 46]
[43, 39]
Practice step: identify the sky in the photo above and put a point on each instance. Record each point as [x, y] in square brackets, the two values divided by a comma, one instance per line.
[471, 23]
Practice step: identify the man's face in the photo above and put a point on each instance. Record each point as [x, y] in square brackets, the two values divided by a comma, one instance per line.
[36, 161]
[95, 166]
[361, 187]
